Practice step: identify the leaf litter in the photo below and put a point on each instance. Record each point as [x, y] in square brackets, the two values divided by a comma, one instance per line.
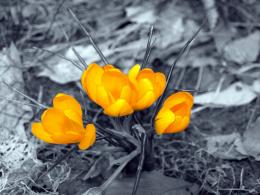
[218, 135]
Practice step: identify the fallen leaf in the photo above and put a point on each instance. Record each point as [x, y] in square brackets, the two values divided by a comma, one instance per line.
[62, 71]
[13, 115]
[251, 139]
[256, 86]
[15, 147]
[140, 14]
[235, 95]
[152, 183]
[243, 50]
[226, 146]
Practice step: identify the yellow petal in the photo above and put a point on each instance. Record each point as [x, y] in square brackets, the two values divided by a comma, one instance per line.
[89, 137]
[74, 117]
[91, 78]
[119, 108]
[69, 105]
[66, 102]
[178, 98]
[146, 73]
[54, 121]
[146, 101]
[65, 138]
[108, 67]
[180, 124]
[102, 98]
[144, 86]
[39, 132]
[160, 84]
[133, 72]
[113, 81]
[164, 118]
[126, 93]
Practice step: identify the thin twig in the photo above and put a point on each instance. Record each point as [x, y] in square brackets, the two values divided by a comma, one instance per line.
[148, 48]
[21, 93]
[89, 36]
[61, 56]
[182, 51]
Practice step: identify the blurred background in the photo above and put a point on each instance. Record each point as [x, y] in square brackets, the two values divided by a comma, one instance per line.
[220, 151]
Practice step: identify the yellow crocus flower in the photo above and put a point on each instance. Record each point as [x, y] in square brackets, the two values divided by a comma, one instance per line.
[174, 116]
[62, 124]
[110, 88]
[148, 84]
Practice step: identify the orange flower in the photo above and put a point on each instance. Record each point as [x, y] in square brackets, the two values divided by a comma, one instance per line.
[110, 88]
[174, 115]
[62, 124]
[149, 86]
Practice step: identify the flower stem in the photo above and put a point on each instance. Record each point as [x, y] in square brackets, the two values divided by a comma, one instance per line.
[99, 190]
[140, 164]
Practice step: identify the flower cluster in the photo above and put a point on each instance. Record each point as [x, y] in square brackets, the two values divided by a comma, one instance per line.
[119, 94]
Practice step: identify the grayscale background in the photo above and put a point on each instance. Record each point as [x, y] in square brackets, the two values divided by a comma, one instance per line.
[220, 151]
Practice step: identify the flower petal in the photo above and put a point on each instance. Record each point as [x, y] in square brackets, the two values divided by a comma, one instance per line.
[69, 105]
[68, 138]
[126, 93]
[54, 121]
[178, 98]
[133, 72]
[146, 101]
[103, 99]
[119, 108]
[144, 86]
[160, 83]
[180, 124]
[113, 81]
[89, 137]
[66, 102]
[147, 73]
[39, 132]
[91, 78]
[164, 119]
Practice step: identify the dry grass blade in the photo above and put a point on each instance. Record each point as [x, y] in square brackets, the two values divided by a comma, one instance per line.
[79, 57]
[84, 64]
[20, 102]
[61, 56]
[21, 93]
[148, 48]
[89, 36]
[182, 51]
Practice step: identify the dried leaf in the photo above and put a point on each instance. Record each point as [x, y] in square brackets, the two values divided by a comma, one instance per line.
[226, 146]
[15, 147]
[140, 14]
[235, 95]
[251, 139]
[243, 50]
